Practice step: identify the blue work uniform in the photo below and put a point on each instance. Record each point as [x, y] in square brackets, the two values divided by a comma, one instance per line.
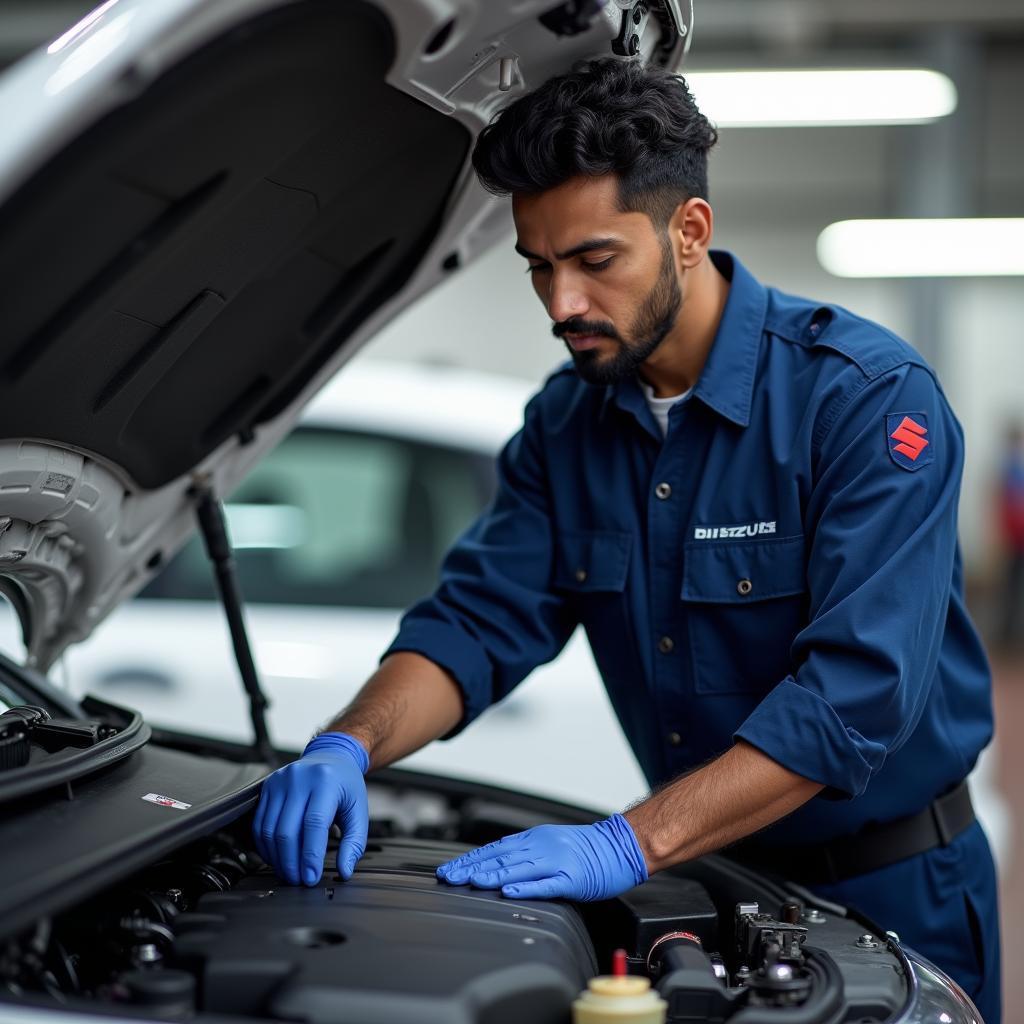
[782, 568]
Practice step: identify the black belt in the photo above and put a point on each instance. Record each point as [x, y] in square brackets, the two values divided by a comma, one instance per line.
[875, 846]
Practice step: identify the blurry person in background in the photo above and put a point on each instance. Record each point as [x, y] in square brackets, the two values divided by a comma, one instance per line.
[1011, 523]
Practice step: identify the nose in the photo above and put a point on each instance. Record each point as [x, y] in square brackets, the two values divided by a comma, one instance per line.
[565, 299]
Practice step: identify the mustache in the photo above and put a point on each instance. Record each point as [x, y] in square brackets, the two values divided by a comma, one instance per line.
[578, 326]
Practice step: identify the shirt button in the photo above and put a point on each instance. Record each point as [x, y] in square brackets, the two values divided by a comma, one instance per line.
[581, 575]
[666, 645]
[674, 739]
[744, 587]
[663, 490]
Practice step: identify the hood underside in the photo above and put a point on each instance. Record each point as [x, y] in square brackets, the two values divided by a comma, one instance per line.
[183, 269]
[201, 218]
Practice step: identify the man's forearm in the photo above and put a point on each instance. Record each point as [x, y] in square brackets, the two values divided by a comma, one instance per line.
[734, 796]
[406, 703]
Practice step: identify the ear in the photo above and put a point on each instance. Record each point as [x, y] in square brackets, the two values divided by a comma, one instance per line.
[690, 229]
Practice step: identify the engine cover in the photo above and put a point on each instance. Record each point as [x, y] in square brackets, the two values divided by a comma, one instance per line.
[452, 953]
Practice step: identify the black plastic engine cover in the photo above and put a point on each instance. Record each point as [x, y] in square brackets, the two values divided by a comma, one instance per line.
[453, 954]
[638, 918]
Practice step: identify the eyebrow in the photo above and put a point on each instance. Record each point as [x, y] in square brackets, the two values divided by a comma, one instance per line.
[589, 245]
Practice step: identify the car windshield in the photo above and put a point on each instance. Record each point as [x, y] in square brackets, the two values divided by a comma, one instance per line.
[340, 517]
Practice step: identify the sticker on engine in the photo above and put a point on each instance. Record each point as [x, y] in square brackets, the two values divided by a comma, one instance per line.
[166, 801]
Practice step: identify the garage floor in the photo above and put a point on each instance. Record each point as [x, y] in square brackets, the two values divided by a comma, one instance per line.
[1009, 702]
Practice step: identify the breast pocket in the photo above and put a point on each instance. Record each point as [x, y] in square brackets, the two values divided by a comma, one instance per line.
[745, 603]
[591, 569]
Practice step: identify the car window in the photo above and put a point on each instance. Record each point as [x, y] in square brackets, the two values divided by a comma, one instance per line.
[338, 517]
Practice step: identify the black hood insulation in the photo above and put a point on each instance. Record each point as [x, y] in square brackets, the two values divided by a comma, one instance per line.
[181, 271]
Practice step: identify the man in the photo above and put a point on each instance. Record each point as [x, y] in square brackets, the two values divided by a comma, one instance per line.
[749, 501]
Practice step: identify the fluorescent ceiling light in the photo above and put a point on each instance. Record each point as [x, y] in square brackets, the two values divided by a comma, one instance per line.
[989, 247]
[823, 97]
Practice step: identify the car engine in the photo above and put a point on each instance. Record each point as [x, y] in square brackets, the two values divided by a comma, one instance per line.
[210, 931]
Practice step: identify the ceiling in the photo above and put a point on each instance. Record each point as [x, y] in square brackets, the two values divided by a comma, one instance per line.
[824, 23]
[781, 27]
[811, 176]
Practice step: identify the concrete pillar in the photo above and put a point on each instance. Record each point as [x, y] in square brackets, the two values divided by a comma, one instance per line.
[936, 173]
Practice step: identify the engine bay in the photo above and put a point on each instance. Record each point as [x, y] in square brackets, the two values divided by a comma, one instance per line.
[208, 930]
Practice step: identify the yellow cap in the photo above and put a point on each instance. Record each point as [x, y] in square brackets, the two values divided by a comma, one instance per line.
[609, 986]
[619, 1000]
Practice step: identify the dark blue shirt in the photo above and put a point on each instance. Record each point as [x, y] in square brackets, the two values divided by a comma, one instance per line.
[782, 567]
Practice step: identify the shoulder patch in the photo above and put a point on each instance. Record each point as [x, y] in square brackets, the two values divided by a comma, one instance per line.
[907, 439]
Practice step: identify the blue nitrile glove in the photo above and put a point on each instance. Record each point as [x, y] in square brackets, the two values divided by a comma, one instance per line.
[576, 862]
[300, 801]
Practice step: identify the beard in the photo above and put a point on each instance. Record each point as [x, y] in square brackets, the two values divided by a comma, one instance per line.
[655, 318]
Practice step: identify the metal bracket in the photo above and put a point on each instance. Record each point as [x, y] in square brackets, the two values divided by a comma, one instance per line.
[635, 19]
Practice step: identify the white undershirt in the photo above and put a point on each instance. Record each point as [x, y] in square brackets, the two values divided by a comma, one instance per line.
[660, 406]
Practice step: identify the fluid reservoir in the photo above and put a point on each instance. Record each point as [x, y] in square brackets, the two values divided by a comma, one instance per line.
[619, 999]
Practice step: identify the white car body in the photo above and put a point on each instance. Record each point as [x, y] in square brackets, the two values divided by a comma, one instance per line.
[206, 206]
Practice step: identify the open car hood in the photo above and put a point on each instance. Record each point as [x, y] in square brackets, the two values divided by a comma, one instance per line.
[206, 206]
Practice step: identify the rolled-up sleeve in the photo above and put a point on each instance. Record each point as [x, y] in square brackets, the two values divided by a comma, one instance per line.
[881, 532]
[493, 617]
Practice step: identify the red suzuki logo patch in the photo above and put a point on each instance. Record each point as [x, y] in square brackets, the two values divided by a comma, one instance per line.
[909, 444]
[910, 438]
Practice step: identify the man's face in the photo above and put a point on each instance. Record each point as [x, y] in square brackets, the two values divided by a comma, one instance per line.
[607, 278]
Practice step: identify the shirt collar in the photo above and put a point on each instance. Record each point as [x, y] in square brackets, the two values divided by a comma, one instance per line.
[726, 383]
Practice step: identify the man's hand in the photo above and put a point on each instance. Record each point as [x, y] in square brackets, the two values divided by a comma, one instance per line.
[576, 862]
[301, 800]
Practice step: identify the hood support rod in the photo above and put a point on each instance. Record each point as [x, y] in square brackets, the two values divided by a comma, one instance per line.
[210, 513]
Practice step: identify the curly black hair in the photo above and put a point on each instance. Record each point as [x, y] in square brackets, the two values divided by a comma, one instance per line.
[606, 116]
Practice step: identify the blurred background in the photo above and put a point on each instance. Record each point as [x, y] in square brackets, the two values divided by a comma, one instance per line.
[776, 187]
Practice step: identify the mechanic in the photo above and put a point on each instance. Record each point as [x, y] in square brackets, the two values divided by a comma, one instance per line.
[749, 501]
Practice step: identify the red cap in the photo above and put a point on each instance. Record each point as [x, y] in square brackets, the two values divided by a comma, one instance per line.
[619, 963]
